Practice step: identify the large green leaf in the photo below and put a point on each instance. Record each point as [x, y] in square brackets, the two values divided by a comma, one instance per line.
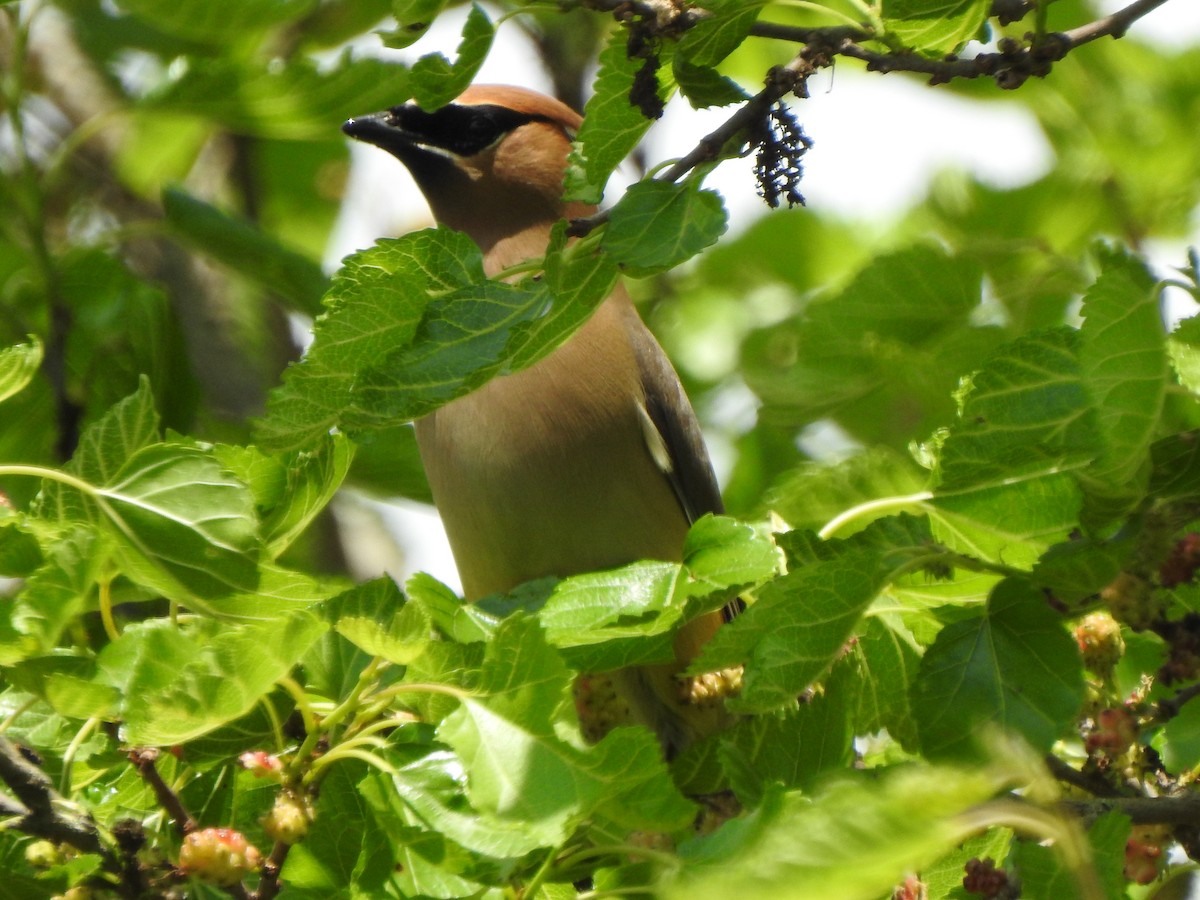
[1123, 368]
[934, 27]
[853, 840]
[520, 763]
[612, 125]
[801, 621]
[217, 21]
[1013, 665]
[179, 683]
[658, 224]
[413, 323]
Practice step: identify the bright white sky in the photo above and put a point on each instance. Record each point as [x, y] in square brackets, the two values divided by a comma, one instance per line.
[845, 173]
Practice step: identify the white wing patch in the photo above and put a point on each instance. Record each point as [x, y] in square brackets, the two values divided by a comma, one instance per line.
[654, 441]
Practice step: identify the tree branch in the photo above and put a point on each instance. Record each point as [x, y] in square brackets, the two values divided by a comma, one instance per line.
[1181, 810]
[1011, 66]
[1168, 709]
[144, 761]
[1070, 775]
[40, 809]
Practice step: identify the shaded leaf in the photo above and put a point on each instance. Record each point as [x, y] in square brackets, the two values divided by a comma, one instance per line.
[1013, 665]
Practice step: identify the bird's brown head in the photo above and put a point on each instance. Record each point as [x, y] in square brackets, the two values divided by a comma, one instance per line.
[490, 162]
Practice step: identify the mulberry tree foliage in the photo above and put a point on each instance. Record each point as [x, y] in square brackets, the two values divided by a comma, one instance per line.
[969, 655]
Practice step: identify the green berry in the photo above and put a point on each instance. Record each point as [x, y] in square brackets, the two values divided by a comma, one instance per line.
[43, 854]
[1100, 643]
[288, 820]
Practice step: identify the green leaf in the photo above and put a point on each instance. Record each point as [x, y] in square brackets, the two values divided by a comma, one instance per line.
[182, 682]
[800, 622]
[107, 444]
[18, 364]
[312, 478]
[853, 840]
[792, 748]
[717, 35]
[413, 18]
[1180, 740]
[721, 553]
[217, 21]
[612, 126]
[347, 845]
[1184, 348]
[1175, 467]
[1025, 413]
[58, 591]
[658, 224]
[294, 101]
[1044, 872]
[247, 250]
[181, 525]
[705, 87]
[432, 786]
[412, 324]
[620, 617]
[882, 355]
[375, 617]
[521, 766]
[1123, 368]
[934, 27]
[435, 81]
[886, 658]
[1014, 665]
[1006, 489]
[577, 281]
[1008, 522]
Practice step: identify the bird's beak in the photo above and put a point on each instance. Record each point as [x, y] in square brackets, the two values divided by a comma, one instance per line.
[378, 129]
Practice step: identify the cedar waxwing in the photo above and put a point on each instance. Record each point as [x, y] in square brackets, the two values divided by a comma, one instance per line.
[589, 459]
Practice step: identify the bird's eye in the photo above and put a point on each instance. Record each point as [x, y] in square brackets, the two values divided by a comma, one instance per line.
[482, 130]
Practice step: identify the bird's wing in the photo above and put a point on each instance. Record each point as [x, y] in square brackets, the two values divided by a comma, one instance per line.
[671, 430]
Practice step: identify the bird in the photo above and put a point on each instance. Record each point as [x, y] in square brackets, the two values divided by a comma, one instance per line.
[591, 458]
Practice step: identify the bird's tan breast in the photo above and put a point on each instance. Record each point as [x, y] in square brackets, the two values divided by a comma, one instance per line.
[545, 472]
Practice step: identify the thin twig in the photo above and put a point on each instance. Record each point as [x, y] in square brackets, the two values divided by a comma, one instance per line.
[1169, 708]
[144, 760]
[268, 885]
[1011, 66]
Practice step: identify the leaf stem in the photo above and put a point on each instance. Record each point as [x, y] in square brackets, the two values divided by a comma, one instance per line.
[106, 608]
[884, 504]
[539, 877]
[1066, 834]
[68, 759]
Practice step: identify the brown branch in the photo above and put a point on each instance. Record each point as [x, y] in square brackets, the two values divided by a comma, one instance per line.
[268, 885]
[144, 761]
[40, 809]
[1011, 66]
[1169, 708]
[1068, 774]
[1181, 810]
